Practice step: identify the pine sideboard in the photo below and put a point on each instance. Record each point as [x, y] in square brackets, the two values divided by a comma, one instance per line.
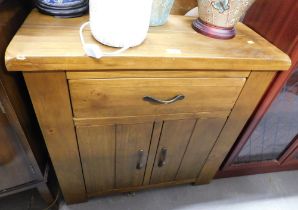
[164, 113]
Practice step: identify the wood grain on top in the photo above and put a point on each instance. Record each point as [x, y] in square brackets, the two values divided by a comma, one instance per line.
[48, 43]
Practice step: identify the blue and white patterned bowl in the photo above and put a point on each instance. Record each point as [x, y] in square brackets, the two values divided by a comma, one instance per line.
[63, 8]
[61, 3]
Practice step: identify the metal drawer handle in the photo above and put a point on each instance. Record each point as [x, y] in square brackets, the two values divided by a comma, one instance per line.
[163, 157]
[140, 163]
[159, 101]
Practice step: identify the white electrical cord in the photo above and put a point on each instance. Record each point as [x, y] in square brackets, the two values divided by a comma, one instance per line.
[93, 50]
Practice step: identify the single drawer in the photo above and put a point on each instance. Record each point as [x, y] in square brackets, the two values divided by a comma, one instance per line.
[102, 98]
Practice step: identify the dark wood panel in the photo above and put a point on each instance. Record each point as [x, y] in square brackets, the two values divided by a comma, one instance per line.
[293, 158]
[275, 20]
[255, 168]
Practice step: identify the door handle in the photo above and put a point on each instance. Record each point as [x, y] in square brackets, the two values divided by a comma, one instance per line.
[140, 164]
[162, 157]
[160, 101]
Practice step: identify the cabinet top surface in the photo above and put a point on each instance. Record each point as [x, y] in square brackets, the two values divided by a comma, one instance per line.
[45, 43]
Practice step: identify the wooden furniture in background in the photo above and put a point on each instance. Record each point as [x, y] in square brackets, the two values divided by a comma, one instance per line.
[268, 143]
[181, 7]
[23, 156]
[163, 113]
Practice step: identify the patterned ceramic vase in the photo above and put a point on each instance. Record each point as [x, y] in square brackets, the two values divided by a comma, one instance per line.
[217, 18]
[160, 12]
[63, 8]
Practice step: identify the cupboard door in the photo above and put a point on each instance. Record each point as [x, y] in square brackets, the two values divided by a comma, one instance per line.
[203, 138]
[132, 147]
[97, 149]
[114, 156]
[173, 142]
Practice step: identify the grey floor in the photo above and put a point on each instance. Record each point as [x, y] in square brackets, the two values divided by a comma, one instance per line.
[276, 191]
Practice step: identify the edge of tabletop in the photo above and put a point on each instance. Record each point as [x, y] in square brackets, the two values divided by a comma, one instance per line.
[84, 63]
[13, 62]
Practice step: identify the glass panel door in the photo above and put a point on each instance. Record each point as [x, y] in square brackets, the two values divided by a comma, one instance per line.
[277, 129]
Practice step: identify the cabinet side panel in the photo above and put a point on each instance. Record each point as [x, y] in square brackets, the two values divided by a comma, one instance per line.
[251, 94]
[97, 148]
[50, 97]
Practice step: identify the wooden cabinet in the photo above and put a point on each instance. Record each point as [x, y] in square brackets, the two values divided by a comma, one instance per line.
[145, 118]
[115, 156]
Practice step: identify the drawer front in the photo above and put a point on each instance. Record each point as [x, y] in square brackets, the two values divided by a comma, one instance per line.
[102, 98]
